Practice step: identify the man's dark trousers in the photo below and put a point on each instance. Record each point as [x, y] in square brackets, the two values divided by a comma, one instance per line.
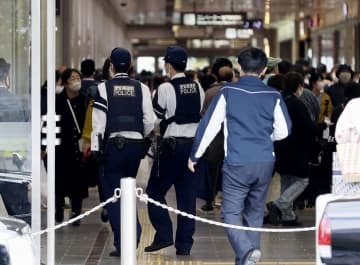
[173, 171]
[120, 163]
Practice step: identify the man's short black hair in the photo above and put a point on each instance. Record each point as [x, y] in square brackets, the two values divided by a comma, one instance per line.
[284, 67]
[293, 81]
[252, 60]
[321, 68]
[178, 67]
[87, 67]
[314, 77]
[277, 82]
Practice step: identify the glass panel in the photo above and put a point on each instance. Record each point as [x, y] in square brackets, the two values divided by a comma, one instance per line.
[15, 111]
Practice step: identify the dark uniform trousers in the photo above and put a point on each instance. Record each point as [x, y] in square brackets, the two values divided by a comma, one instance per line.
[173, 171]
[120, 163]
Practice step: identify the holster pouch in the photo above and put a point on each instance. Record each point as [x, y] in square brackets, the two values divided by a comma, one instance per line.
[118, 141]
[169, 144]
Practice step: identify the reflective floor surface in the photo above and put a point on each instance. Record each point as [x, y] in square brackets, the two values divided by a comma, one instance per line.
[91, 242]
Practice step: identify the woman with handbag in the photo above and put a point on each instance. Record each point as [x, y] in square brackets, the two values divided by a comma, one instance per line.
[70, 180]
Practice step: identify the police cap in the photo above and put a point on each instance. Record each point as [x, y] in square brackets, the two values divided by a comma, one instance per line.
[176, 56]
[121, 59]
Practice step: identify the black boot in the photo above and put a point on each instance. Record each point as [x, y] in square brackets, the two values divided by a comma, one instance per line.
[76, 223]
[104, 215]
[59, 215]
[76, 210]
[207, 207]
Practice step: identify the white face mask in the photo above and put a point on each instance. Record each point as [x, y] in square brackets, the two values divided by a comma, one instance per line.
[59, 89]
[345, 77]
[75, 87]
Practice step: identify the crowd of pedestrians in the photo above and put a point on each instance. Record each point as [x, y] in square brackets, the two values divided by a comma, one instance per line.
[225, 130]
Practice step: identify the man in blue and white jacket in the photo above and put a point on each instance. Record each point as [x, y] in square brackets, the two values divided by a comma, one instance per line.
[254, 115]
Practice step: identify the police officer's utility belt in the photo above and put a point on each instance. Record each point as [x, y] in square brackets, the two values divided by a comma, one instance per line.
[182, 140]
[170, 143]
[120, 141]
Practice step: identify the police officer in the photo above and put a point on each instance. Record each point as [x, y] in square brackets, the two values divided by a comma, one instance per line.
[122, 116]
[178, 103]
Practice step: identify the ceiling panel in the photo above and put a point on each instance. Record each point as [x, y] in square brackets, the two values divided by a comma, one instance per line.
[153, 24]
[157, 12]
[141, 12]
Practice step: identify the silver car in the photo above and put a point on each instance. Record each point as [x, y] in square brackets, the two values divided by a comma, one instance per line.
[16, 243]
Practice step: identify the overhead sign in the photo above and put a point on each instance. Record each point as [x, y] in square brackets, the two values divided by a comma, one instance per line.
[233, 33]
[203, 19]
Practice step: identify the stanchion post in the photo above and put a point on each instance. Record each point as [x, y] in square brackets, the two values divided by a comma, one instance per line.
[128, 221]
[35, 124]
[51, 124]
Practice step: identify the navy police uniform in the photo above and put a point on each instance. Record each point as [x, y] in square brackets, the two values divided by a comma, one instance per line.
[178, 104]
[123, 116]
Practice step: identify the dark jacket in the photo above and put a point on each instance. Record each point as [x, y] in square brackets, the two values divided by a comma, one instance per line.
[340, 92]
[293, 154]
[69, 173]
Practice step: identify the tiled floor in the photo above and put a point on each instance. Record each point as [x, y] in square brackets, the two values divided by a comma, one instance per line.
[76, 245]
